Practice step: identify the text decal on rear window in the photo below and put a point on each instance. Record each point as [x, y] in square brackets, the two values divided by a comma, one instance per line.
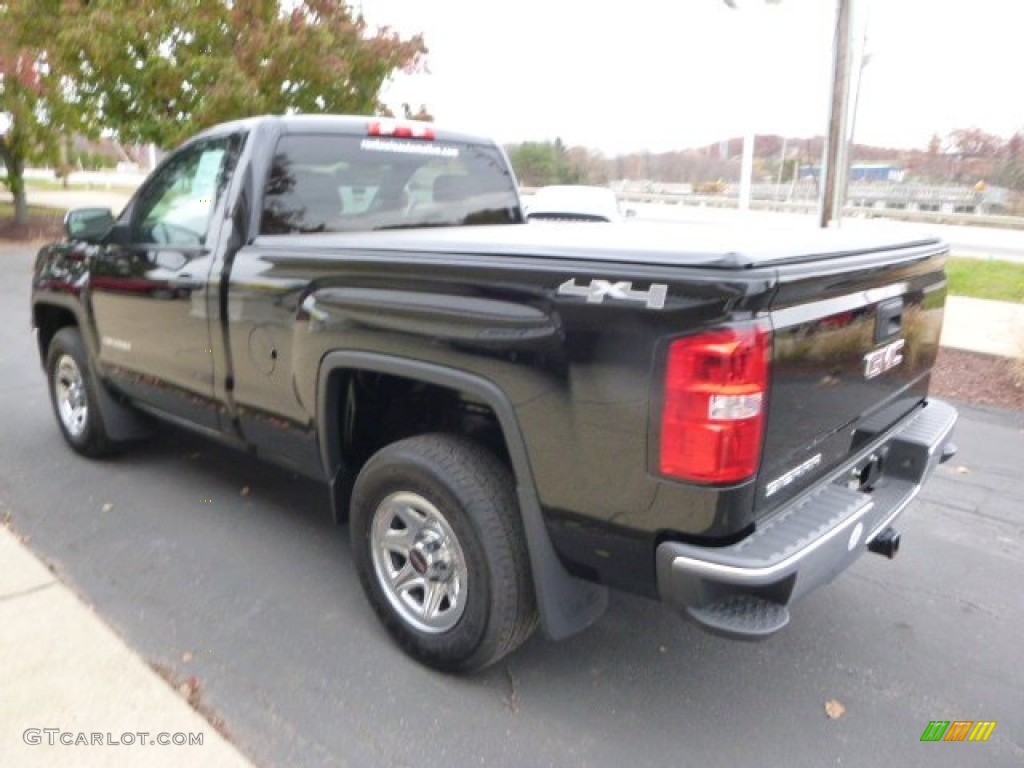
[408, 148]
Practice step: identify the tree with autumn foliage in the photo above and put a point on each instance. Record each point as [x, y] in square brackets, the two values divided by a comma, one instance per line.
[19, 95]
[160, 70]
[1012, 173]
[33, 106]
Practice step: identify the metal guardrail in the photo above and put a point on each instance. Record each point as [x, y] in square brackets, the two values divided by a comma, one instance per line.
[849, 210]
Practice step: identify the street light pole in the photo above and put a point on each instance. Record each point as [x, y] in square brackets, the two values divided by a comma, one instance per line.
[782, 163]
[747, 163]
[835, 161]
[746, 170]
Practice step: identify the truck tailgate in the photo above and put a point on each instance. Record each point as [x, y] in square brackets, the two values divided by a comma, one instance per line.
[855, 338]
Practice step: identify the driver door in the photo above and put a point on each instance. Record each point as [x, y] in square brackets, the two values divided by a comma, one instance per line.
[150, 283]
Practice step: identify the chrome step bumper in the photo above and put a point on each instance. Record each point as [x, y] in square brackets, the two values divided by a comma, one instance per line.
[744, 590]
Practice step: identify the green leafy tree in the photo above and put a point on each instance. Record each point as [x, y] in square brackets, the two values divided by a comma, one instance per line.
[160, 70]
[20, 96]
[34, 108]
[533, 163]
[538, 164]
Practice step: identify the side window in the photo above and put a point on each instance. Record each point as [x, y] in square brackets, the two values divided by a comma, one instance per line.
[177, 204]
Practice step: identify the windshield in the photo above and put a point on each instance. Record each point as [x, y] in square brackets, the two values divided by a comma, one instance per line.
[339, 183]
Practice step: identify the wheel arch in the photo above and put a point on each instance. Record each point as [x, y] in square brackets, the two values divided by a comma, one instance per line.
[567, 604]
[121, 422]
[48, 317]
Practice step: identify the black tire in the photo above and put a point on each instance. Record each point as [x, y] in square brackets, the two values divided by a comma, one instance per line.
[73, 396]
[465, 542]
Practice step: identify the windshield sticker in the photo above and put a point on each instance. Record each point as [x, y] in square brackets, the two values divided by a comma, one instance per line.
[409, 147]
[204, 184]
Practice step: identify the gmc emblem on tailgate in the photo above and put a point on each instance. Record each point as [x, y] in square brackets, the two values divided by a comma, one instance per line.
[881, 360]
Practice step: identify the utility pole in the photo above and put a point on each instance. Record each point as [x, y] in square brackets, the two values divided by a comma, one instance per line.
[835, 160]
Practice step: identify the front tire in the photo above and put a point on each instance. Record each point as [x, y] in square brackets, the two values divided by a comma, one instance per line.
[73, 395]
[439, 547]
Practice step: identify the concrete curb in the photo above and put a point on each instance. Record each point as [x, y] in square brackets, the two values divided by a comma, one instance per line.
[63, 669]
[978, 325]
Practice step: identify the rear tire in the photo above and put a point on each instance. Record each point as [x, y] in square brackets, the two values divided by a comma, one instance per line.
[73, 396]
[440, 550]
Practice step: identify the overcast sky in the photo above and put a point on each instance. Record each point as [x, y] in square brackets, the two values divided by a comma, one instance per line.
[659, 75]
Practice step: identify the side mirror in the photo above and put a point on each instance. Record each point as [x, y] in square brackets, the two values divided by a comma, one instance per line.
[88, 224]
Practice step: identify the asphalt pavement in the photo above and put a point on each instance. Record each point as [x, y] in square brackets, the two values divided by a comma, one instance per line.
[225, 574]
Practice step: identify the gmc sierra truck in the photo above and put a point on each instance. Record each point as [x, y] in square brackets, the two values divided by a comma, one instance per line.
[513, 418]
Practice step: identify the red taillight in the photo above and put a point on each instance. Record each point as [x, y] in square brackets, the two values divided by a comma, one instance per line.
[410, 130]
[712, 418]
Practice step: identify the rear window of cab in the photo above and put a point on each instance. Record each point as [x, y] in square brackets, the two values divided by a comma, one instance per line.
[344, 183]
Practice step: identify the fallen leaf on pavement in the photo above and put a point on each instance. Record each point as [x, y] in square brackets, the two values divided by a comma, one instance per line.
[190, 690]
[834, 709]
[962, 470]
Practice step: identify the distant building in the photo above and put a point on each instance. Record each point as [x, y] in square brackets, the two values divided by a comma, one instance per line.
[862, 172]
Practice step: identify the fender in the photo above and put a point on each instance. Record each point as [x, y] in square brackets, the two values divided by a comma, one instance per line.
[121, 423]
[73, 306]
[567, 604]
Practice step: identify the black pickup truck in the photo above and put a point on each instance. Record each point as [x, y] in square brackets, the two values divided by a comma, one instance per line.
[512, 417]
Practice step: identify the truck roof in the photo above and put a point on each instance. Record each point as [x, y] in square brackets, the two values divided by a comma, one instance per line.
[355, 125]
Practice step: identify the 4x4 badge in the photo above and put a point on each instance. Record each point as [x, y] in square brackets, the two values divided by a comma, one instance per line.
[599, 290]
